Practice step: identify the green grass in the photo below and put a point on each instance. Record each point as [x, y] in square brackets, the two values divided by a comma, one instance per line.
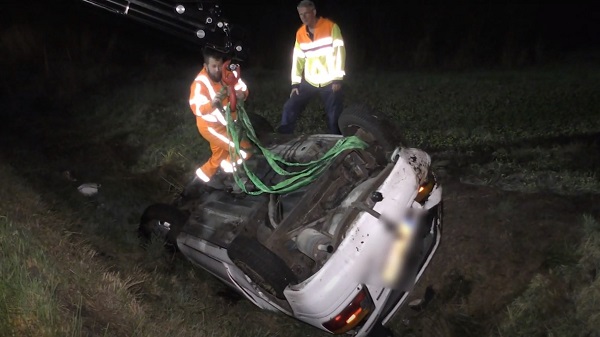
[56, 282]
[27, 302]
[471, 108]
[563, 302]
[73, 266]
[31, 284]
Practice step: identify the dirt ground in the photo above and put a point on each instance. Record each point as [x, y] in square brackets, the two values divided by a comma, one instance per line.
[493, 243]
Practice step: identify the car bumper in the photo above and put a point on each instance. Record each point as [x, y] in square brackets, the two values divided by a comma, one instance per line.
[358, 261]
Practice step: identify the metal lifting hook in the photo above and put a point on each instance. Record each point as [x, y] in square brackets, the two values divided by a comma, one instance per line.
[230, 76]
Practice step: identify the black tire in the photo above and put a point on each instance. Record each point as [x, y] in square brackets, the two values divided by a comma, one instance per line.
[262, 127]
[381, 134]
[164, 221]
[261, 265]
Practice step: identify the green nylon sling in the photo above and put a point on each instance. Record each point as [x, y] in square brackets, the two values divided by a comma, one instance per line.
[297, 179]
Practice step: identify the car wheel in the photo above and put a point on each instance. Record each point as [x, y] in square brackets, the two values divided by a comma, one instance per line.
[163, 221]
[261, 265]
[363, 122]
[262, 128]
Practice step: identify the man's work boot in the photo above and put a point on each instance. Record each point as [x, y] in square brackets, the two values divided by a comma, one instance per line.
[221, 181]
[195, 188]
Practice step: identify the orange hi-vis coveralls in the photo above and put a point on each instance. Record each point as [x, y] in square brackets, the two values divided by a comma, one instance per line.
[212, 125]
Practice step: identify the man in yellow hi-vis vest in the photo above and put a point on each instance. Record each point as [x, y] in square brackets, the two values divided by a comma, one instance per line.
[317, 69]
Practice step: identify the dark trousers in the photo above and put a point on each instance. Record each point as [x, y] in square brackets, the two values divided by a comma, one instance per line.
[296, 104]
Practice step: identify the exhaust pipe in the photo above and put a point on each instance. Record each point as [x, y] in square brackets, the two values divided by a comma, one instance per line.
[314, 244]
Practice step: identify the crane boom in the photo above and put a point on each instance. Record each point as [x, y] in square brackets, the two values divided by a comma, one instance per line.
[198, 22]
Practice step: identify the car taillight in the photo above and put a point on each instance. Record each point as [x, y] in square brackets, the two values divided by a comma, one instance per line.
[360, 307]
[425, 188]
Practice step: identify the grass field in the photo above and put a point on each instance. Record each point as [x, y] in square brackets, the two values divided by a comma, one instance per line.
[73, 265]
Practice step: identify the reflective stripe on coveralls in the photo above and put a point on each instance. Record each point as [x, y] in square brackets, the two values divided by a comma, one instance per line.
[220, 146]
[212, 126]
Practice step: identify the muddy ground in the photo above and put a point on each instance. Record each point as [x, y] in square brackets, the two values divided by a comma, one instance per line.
[493, 243]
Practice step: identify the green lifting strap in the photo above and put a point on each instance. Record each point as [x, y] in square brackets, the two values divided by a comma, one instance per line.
[297, 179]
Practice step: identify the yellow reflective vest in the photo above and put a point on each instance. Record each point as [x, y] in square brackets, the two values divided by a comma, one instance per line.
[322, 58]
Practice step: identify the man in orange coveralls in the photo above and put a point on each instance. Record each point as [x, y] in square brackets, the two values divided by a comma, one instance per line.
[208, 94]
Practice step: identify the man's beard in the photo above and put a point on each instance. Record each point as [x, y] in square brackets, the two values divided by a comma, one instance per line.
[215, 78]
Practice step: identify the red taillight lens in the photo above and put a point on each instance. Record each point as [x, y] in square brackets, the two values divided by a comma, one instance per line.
[360, 307]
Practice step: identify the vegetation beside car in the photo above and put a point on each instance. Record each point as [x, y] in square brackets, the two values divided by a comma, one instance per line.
[73, 265]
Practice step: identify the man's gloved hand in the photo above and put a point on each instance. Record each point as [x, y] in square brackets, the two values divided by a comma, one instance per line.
[217, 101]
[240, 94]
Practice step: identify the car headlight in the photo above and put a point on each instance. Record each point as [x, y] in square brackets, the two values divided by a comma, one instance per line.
[354, 313]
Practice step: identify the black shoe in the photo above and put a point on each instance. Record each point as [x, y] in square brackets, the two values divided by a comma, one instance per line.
[195, 189]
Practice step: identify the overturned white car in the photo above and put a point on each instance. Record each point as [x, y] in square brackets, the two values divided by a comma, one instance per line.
[341, 253]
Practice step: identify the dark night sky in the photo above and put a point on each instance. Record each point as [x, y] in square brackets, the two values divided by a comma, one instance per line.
[374, 32]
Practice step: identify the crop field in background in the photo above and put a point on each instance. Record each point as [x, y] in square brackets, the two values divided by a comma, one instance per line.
[518, 151]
